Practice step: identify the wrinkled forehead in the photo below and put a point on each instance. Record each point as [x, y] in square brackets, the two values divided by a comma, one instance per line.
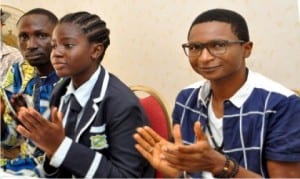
[35, 22]
[34, 19]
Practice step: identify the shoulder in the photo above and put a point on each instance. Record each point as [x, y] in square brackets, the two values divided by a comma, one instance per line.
[120, 102]
[190, 91]
[11, 54]
[7, 49]
[119, 90]
[119, 95]
[20, 72]
[263, 83]
[266, 93]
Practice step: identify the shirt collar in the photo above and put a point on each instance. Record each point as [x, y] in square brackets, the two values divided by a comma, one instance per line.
[238, 99]
[204, 93]
[82, 94]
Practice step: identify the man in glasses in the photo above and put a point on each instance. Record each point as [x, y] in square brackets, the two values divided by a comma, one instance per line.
[235, 123]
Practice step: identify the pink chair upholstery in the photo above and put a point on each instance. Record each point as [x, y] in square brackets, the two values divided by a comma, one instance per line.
[156, 111]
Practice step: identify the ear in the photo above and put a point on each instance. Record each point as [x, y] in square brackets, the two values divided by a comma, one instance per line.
[97, 50]
[247, 49]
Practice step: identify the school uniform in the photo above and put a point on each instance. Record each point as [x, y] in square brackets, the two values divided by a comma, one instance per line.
[103, 144]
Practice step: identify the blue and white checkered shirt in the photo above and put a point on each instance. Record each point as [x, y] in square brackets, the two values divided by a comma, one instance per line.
[260, 122]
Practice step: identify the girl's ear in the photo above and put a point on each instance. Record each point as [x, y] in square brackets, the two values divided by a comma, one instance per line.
[97, 50]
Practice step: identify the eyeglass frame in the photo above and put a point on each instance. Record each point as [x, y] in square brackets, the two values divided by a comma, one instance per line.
[201, 46]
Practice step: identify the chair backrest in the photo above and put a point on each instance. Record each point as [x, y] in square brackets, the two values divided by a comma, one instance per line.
[156, 111]
[297, 91]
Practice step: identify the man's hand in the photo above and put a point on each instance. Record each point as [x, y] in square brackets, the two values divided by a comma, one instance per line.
[18, 101]
[199, 156]
[149, 144]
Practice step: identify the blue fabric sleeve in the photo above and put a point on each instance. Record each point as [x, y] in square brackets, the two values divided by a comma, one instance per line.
[283, 134]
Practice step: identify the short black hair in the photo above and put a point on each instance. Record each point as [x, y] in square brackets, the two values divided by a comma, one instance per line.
[91, 25]
[238, 23]
[53, 19]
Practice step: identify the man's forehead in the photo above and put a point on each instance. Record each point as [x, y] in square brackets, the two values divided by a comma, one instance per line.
[35, 18]
[35, 21]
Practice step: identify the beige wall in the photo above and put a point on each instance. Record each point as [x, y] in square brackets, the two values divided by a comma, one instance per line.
[146, 37]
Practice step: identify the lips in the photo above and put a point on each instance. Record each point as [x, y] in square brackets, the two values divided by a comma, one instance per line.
[58, 65]
[33, 56]
[207, 69]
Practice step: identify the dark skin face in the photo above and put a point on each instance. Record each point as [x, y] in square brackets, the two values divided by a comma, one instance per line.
[73, 55]
[224, 68]
[34, 40]
[226, 74]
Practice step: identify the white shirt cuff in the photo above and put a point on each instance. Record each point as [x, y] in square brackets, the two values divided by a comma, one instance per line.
[60, 154]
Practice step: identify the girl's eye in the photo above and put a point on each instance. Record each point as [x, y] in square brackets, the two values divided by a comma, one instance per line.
[69, 46]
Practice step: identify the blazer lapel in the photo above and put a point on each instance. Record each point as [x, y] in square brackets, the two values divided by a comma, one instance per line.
[92, 107]
[58, 91]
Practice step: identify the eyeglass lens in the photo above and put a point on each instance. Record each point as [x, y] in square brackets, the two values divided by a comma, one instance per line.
[216, 47]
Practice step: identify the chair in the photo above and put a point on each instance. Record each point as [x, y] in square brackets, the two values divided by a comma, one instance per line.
[156, 111]
[297, 91]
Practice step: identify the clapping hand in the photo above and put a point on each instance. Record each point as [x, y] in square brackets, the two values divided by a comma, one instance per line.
[47, 135]
[150, 144]
[199, 156]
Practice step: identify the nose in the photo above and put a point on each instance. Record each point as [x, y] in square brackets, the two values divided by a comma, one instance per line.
[56, 52]
[31, 43]
[205, 55]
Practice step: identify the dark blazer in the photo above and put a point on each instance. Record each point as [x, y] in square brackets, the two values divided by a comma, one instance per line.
[109, 121]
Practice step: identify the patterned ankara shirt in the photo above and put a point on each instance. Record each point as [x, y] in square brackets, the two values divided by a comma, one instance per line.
[260, 122]
[21, 79]
[8, 56]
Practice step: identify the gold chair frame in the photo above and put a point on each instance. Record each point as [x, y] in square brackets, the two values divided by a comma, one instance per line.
[152, 92]
[297, 91]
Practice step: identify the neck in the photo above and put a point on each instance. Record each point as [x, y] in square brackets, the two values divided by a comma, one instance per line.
[83, 76]
[225, 88]
[44, 70]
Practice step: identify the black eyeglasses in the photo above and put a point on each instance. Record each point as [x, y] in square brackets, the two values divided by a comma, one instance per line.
[215, 47]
